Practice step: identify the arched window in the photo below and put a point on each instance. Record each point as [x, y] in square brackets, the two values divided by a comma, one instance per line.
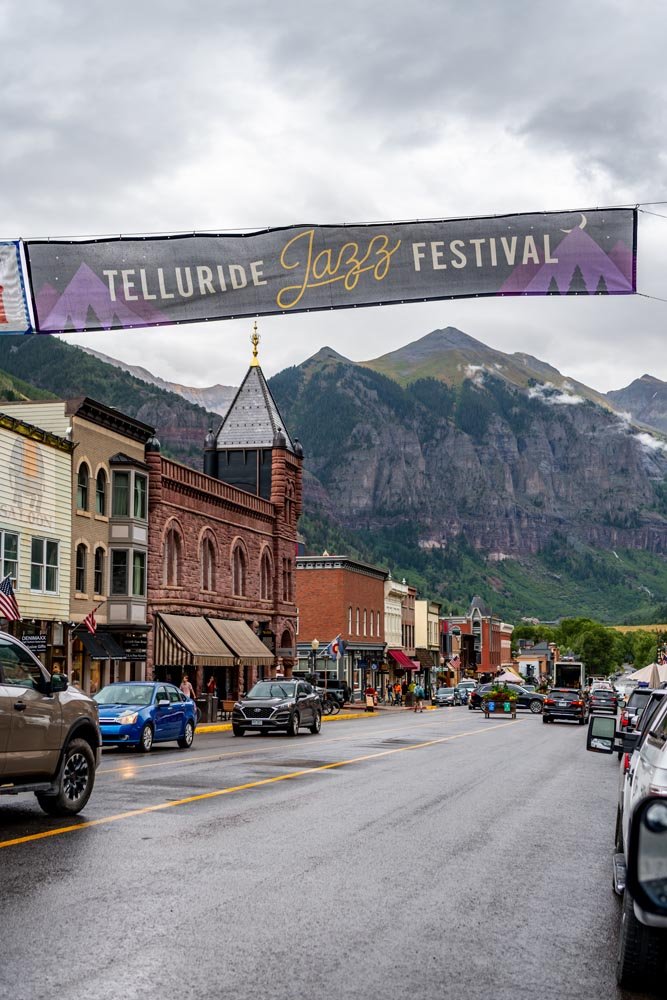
[239, 572]
[349, 620]
[357, 621]
[101, 493]
[378, 624]
[265, 577]
[371, 622]
[99, 571]
[172, 559]
[80, 574]
[82, 478]
[207, 565]
[365, 623]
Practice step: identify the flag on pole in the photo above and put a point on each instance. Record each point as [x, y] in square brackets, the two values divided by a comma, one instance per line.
[9, 608]
[89, 621]
[335, 649]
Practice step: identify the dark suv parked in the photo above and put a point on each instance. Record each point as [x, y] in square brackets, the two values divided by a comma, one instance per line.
[525, 699]
[49, 735]
[278, 705]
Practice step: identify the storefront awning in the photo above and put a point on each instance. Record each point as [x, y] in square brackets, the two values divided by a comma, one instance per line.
[242, 641]
[102, 646]
[403, 661]
[189, 640]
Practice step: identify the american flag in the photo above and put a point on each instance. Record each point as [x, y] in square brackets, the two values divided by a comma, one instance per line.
[9, 609]
[89, 621]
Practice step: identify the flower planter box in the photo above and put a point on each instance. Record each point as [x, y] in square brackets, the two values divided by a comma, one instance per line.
[499, 706]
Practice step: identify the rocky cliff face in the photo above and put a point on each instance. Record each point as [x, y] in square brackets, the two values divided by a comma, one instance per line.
[645, 400]
[504, 467]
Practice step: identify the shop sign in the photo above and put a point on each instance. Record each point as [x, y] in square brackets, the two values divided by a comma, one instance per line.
[35, 643]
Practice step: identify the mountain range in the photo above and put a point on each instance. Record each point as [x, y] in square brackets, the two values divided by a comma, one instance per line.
[463, 468]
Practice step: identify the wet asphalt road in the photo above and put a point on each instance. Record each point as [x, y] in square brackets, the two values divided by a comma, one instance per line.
[451, 857]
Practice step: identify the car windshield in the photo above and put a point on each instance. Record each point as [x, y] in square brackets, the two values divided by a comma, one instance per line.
[272, 690]
[573, 695]
[444, 691]
[638, 699]
[125, 694]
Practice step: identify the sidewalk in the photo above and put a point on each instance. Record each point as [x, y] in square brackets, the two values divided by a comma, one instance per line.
[354, 711]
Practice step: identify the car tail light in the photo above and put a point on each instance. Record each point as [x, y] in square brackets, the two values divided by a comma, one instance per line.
[626, 762]
[624, 718]
[549, 701]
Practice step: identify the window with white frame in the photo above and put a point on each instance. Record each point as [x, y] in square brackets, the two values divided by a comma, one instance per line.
[101, 493]
[80, 568]
[98, 581]
[44, 563]
[9, 556]
[82, 479]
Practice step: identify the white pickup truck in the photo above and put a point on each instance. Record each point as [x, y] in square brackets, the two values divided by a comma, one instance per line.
[642, 955]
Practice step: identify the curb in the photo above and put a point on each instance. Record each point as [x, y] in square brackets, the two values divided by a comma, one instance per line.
[226, 727]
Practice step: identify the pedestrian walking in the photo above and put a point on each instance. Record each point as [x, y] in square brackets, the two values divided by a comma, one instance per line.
[397, 694]
[418, 696]
[187, 688]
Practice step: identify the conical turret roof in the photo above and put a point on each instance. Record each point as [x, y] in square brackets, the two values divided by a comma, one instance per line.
[253, 419]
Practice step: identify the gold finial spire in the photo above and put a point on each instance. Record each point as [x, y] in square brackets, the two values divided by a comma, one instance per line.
[254, 340]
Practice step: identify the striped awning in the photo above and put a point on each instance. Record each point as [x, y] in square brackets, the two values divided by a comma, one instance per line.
[243, 642]
[189, 640]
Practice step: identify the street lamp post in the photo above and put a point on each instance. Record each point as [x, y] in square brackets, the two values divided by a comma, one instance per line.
[314, 646]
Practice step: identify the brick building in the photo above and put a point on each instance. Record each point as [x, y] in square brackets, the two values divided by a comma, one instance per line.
[481, 640]
[341, 596]
[222, 549]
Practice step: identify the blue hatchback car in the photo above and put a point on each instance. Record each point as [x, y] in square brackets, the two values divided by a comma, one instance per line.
[141, 713]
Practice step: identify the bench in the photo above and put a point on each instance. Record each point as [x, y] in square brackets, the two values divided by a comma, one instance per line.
[226, 707]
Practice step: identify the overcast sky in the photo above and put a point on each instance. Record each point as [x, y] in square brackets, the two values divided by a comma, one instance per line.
[181, 115]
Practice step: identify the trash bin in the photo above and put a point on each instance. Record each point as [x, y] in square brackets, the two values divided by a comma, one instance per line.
[212, 708]
[202, 705]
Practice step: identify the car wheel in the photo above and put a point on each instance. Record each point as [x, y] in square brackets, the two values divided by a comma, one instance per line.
[545, 719]
[640, 950]
[536, 706]
[293, 725]
[317, 724]
[186, 739]
[146, 739]
[75, 783]
[582, 721]
[237, 730]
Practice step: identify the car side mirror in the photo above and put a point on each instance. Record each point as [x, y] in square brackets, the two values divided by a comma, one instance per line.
[58, 683]
[163, 703]
[646, 877]
[601, 734]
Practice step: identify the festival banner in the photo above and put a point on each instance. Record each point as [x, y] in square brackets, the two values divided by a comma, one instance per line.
[116, 283]
[14, 316]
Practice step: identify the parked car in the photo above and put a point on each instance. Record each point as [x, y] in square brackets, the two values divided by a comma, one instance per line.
[633, 740]
[603, 699]
[141, 713]
[49, 736]
[531, 700]
[634, 707]
[446, 696]
[564, 703]
[284, 705]
[643, 938]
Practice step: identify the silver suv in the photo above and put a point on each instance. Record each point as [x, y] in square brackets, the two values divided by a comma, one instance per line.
[49, 734]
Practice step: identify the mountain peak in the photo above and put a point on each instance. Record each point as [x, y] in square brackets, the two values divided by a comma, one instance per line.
[328, 354]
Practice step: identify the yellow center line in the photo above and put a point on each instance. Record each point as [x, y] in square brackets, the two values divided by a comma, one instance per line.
[218, 792]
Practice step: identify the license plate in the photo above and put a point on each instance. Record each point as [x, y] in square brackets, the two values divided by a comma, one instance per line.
[257, 722]
[562, 704]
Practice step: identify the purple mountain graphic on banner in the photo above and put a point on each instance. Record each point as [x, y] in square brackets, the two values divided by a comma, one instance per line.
[46, 299]
[577, 251]
[86, 304]
[623, 259]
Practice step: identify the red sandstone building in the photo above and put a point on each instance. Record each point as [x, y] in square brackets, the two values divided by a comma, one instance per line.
[221, 580]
